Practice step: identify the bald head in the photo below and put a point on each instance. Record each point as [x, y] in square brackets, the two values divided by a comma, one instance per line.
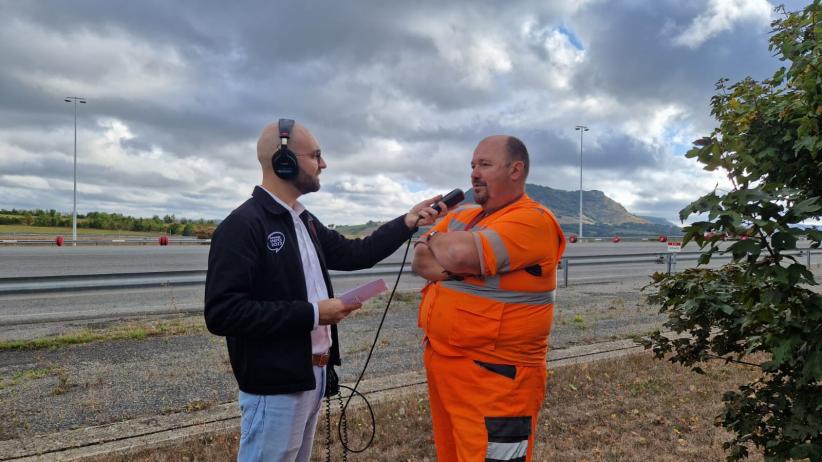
[498, 170]
[513, 147]
[269, 142]
[309, 162]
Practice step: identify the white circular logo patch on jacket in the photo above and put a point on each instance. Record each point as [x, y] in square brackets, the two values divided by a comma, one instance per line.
[275, 241]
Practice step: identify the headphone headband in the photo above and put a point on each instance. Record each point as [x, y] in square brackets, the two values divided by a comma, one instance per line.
[286, 125]
[284, 162]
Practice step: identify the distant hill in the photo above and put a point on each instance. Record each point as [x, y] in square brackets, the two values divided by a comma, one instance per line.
[656, 220]
[597, 208]
[358, 230]
[602, 216]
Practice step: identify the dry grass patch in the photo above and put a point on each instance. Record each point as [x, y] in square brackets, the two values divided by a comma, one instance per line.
[636, 409]
[627, 409]
[403, 300]
[126, 331]
[24, 376]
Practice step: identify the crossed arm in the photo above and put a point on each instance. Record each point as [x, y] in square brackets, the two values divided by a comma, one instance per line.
[447, 254]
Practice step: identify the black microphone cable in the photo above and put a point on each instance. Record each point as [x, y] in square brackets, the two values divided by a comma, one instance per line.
[342, 427]
[452, 198]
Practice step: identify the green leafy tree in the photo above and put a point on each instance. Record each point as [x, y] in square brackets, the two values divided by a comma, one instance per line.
[768, 141]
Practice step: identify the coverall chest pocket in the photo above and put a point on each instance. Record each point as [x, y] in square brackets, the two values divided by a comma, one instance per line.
[476, 326]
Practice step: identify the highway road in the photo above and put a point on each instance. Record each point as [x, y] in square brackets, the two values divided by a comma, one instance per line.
[94, 304]
[16, 261]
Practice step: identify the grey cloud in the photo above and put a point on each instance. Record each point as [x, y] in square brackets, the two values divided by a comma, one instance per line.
[95, 175]
[668, 209]
[630, 54]
[612, 152]
[357, 72]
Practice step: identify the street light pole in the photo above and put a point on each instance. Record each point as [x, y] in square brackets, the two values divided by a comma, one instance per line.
[582, 129]
[75, 100]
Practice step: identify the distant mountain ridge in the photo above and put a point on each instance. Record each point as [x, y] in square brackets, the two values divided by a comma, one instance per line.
[597, 208]
[602, 216]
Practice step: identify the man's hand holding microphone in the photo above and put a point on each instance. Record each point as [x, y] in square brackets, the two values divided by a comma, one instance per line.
[334, 310]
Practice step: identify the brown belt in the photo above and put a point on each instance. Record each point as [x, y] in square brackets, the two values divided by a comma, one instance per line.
[319, 360]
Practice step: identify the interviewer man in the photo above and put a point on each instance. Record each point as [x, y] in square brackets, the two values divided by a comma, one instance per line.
[268, 292]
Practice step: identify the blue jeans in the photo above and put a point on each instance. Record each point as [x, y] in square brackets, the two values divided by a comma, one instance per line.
[280, 428]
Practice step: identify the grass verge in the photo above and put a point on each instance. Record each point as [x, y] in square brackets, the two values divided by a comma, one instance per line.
[128, 331]
[627, 409]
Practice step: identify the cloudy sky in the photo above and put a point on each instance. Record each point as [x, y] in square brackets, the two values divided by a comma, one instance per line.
[397, 93]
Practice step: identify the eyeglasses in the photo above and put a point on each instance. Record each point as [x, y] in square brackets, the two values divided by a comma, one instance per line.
[316, 156]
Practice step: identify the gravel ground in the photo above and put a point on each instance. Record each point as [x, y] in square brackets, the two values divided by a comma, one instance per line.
[97, 383]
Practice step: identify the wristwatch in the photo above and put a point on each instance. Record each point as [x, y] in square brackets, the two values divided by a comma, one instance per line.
[430, 235]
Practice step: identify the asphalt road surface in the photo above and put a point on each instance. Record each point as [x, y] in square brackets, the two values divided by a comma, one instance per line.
[16, 310]
[18, 261]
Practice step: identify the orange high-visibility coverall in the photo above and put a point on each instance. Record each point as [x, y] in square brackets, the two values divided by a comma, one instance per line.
[487, 336]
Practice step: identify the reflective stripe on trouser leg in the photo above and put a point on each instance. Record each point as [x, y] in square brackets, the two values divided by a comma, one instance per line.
[479, 414]
[507, 438]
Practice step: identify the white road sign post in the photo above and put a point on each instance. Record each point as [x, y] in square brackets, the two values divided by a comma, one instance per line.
[673, 249]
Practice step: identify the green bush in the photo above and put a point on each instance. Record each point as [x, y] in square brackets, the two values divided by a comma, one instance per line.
[768, 142]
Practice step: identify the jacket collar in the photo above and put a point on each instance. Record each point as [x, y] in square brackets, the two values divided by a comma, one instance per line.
[264, 199]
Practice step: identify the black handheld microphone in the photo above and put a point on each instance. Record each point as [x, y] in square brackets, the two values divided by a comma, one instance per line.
[451, 199]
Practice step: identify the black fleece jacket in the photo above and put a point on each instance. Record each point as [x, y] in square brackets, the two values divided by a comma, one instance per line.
[255, 292]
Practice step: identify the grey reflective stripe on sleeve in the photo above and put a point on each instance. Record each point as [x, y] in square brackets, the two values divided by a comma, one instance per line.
[478, 245]
[507, 452]
[504, 296]
[456, 225]
[500, 252]
[492, 282]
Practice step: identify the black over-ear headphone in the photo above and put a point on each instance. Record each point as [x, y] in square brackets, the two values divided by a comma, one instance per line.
[284, 161]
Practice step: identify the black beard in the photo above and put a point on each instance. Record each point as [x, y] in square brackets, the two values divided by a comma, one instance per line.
[306, 184]
[481, 200]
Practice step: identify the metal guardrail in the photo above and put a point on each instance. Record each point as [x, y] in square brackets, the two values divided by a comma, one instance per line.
[56, 283]
[669, 259]
[113, 239]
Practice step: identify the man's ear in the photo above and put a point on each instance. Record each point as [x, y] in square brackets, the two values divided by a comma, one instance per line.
[517, 169]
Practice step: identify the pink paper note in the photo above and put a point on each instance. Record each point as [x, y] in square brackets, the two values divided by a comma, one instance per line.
[364, 292]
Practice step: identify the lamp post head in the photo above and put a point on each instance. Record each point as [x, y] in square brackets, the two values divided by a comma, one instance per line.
[67, 100]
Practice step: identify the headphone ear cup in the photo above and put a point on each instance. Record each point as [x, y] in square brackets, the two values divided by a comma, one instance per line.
[284, 163]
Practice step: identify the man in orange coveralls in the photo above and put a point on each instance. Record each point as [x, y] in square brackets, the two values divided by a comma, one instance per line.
[487, 311]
